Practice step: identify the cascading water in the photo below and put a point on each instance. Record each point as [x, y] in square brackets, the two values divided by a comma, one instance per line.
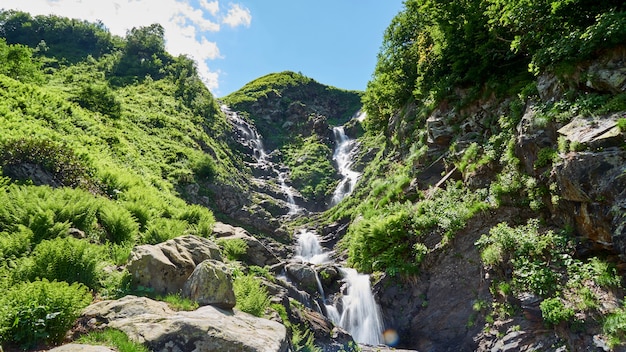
[359, 315]
[343, 156]
[249, 137]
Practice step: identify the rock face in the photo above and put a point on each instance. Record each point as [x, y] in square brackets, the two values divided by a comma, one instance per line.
[593, 196]
[165, 267]
[208, 328]
[211, 283]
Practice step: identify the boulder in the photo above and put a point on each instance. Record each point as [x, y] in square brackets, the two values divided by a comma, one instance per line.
[304, 276]
[210, 283]
[256, 254]
[166, 266]
[208, 328]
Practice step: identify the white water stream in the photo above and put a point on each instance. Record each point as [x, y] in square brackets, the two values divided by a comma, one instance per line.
[359, 314]
[249, 137]
[343, 156]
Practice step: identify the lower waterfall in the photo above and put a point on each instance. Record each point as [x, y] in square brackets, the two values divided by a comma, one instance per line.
[358, 312]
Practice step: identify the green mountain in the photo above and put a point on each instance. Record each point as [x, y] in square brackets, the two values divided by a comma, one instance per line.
[490, 210]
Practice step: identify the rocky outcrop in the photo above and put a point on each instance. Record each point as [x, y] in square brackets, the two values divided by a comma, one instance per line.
[210, 283]
[159, 328]
[166, 267]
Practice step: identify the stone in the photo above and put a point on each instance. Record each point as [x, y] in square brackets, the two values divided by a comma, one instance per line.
[593, 131]
[166, 266]
[77, 347]
[304, 276]
[208, 328]
[210, 283]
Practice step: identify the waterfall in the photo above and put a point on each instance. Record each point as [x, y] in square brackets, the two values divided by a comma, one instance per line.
[360, 315]
[343, 156]
[248, 136]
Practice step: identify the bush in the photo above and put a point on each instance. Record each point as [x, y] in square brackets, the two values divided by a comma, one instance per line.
[554, 311]
[65, 259]
[251, 297]
[118, 223]
[99, 98]
[32, 312]
[59, 159]
[163, 229]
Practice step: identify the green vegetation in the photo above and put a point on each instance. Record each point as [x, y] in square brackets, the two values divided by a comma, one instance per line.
[40, 311]
[250, 295]
[233, 248]
[312, 171]
[178, 303]
[97, 144]
[112, 338]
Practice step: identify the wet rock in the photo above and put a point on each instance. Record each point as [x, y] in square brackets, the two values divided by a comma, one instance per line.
[165, 267]
[304, 276]
[159, 328]
[210, 283]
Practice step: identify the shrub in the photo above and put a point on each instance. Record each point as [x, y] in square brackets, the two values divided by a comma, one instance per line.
[200, 217]
[99, 98]
[57, 158]
[65, 259]
[251, 297]
[205, 168]
[163, 229]
[118, 223]
[15, 244]
[554, 311]
[32, 312]
[233, 248]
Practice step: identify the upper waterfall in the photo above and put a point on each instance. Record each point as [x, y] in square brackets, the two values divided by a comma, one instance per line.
[343, 156]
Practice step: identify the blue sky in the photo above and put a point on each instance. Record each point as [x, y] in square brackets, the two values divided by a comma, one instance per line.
[332, 41]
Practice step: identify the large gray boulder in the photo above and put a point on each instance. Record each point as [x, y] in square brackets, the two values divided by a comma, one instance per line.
[166, 266]
[210, 283]
[159, 328]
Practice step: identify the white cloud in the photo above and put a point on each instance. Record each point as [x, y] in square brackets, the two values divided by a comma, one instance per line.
[237, 15]
[185, 26]
[213, 7]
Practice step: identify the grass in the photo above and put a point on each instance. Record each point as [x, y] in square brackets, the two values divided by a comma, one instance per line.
[112, 338]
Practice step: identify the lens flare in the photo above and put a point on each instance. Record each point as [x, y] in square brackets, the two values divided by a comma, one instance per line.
[391, 337]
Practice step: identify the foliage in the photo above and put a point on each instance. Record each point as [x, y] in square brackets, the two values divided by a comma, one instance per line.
[388, 237]
[312, 172]
[32, 312]
[67, 168]
[100, 98]
[19, 63]
[233, 248]
[112, 338]
[65, 39]
[64, 259]
[554, 311]
[250, 295]
[614, 326]
[621, 124]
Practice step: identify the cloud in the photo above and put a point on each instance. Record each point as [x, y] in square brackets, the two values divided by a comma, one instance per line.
[213, 7]
[237, 16]
[186, 27]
